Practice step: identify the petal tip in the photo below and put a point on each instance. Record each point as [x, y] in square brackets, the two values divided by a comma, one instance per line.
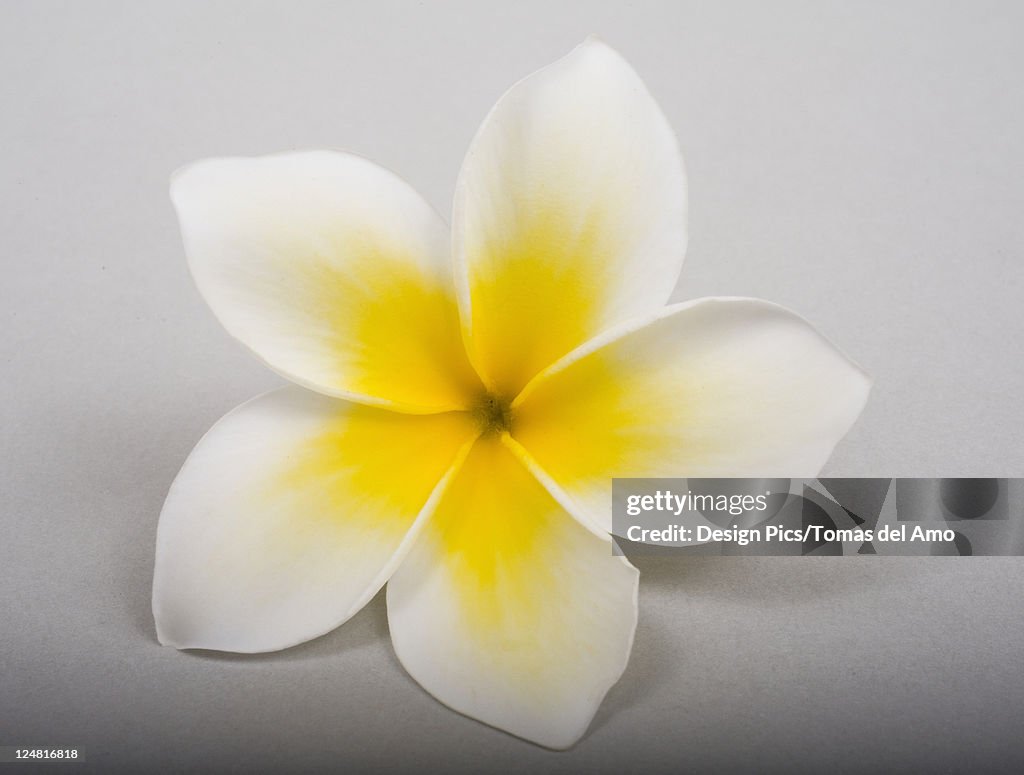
[186, 174]
[596, 46]
[594, 40]
[164, 634]
[165, 640]
[169, 644]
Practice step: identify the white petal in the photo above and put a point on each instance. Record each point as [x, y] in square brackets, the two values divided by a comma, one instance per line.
[710, 388]
[570, 215]
[333, 270]
[507, 610]
[289, 515]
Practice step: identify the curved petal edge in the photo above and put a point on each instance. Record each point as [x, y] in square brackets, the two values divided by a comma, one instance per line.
[569, 214]
[290, 514]
[716, 387]
[507, 610]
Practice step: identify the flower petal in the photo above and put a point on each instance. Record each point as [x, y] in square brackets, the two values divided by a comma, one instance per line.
[507, 610]
[713, 387]
[332, 270]
[290, 514]
[570, 215]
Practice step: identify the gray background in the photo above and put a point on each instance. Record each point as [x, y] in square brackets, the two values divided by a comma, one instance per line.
[858, 162]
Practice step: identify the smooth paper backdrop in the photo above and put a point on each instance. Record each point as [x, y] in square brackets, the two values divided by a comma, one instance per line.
[858, 162]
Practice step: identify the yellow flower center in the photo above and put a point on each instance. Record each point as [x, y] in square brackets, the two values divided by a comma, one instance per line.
[494, 414]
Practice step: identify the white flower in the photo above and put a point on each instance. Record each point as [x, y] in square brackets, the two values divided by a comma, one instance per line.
[462, 411]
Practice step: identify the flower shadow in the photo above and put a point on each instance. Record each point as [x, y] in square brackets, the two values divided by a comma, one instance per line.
[654, 650]
[688, 586]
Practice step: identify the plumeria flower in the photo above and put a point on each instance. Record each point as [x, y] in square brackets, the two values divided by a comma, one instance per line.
[463, 398]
